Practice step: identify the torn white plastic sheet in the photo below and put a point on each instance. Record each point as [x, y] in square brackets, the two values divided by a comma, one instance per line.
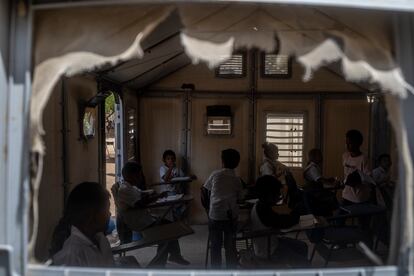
[72, 41]
[316, 36]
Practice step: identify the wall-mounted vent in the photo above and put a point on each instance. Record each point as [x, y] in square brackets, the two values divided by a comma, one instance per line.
[219, 120]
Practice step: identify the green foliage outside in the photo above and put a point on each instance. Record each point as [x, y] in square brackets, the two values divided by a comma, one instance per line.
[110, 104]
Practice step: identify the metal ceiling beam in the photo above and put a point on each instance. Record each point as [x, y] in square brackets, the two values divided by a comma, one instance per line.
[152, 69]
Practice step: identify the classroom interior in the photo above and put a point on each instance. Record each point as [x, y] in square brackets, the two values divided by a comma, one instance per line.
[161, 102]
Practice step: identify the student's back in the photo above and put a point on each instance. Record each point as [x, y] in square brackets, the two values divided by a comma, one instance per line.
[225, 188]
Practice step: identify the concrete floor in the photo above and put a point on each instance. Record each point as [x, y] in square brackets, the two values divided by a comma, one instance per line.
[193, 249]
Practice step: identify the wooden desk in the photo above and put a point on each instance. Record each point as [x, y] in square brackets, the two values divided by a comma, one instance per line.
[363, 209]
[156, 235]
[172, 204]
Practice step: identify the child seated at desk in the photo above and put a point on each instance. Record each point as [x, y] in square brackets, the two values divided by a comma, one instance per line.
[382, 178]
[79, 238]
[225, 189]
[265, 217]
[132, 202]
[169, 170]
[318, 200]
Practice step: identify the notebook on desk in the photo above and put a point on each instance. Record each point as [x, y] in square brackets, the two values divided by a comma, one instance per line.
[170, 198]
[305, 222]
[181, 179]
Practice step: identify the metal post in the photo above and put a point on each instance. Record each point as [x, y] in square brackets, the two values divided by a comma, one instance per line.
[252, 116]
[64, 131]
[15, 81]
[186, 131]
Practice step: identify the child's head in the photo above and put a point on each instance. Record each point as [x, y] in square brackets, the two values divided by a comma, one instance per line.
[230, 158]
[315, 155]
[384, 160]
[354, 140]
[169, 158]
[270, 151]
[87, 207]
[268, 189]
[132, 173]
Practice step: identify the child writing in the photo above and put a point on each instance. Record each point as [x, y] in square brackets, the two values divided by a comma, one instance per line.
[225, 189]
[264, 217]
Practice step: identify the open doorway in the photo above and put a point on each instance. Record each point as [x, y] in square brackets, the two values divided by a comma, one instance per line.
[110, 145]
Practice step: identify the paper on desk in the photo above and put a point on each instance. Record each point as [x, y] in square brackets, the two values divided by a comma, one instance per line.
[181, 178]
[170, 198]
[305, 222]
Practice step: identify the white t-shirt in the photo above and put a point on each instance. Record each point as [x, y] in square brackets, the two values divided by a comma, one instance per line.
[274, 168]
[260, 244]
[380, 175]
[225, 188]
[79, 250]
[312, 173]
[136, 218]
[175, 172]
[354, 163]
[360, 163]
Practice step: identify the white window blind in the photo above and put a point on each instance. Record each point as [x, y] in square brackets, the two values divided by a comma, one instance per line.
[233, 67]
[286, 131]
[276, 65]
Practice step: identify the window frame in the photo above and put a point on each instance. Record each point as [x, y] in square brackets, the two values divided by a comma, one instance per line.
[274, 76]
[234, 76]
[305, 130]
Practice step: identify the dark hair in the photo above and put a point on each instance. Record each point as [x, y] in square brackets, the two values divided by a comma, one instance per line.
[168, 153]
[383, 156]
[130, 168]
[355, 136]
[230, 158]
[313, 152]
[267, 185]
[85, 197]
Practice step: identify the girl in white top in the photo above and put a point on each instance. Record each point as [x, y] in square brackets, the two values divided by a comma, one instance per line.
[354, 160]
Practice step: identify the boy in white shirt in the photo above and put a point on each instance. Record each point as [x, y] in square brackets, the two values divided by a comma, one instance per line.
[79, 239]
[225, 189]
[169, 170]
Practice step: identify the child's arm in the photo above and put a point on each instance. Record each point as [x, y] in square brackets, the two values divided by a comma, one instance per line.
[166, 175]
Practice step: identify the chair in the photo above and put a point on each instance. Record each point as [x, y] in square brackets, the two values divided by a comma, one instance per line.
[124, 232]
[338, 238]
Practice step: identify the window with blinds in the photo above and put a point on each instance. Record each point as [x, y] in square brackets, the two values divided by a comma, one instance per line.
[234, 67]
[286, 131]
[276, 66]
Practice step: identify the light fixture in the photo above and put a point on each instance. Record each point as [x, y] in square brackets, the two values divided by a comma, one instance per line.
[372, 98]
